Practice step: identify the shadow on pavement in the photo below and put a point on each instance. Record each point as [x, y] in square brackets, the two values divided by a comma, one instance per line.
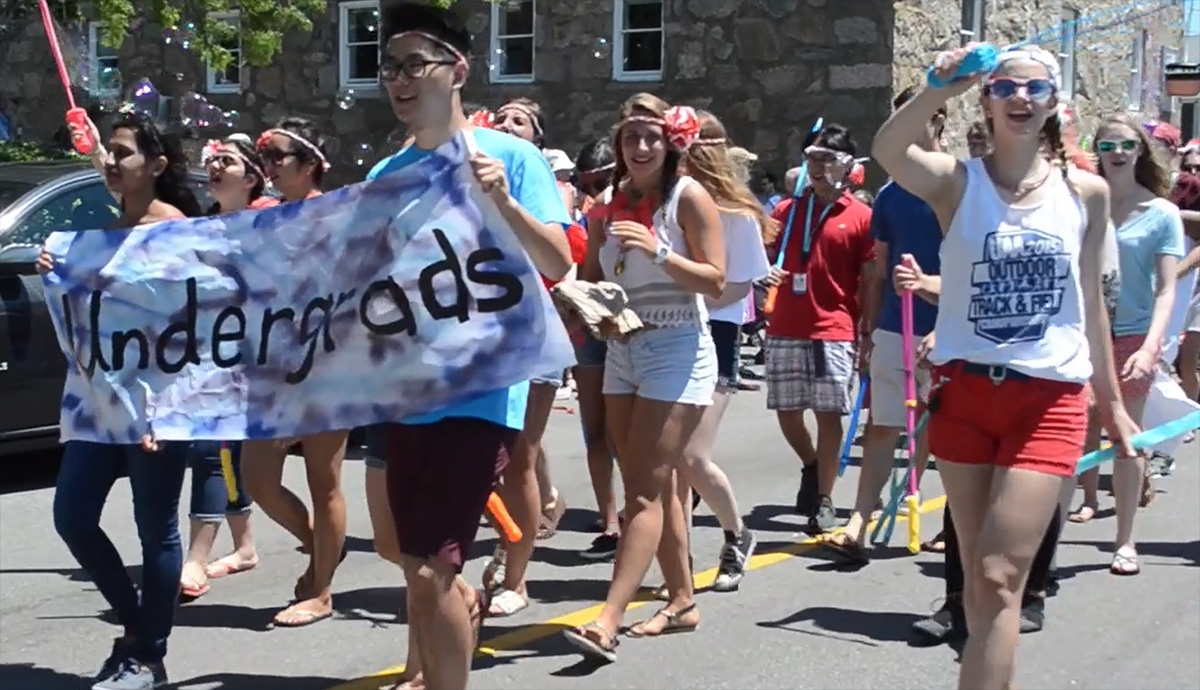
[568, 591]
[878, 626]
[251, 681]
[29, 677]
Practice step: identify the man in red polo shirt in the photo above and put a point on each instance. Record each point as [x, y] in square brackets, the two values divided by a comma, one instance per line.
[812, 349]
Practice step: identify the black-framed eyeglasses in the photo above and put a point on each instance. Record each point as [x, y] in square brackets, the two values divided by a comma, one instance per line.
[412, 67]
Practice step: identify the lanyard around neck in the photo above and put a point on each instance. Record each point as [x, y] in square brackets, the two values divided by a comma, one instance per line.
[806, 248]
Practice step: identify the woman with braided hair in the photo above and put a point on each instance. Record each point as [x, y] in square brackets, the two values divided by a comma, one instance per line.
[1024, 246]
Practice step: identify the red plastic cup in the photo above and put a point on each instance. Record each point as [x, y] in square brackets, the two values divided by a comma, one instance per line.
[77, 121]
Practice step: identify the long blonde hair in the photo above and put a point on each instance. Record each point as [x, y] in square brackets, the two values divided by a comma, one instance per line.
[1149, 171]
[707, 161]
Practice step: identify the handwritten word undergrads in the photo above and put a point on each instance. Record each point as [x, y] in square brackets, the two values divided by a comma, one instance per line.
[382, 307]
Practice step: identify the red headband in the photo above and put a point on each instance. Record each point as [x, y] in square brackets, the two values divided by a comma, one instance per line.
[679, 123]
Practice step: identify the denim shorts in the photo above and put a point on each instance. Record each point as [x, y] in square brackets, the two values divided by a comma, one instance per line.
[591, 351]
[677, 364]
[551, 379]
[727, 338]
[377, 435]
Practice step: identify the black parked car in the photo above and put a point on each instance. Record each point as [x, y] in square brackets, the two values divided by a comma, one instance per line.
[37, 199]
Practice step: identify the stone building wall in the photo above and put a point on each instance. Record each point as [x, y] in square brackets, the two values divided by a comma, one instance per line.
[1104, 48]
[767, 68]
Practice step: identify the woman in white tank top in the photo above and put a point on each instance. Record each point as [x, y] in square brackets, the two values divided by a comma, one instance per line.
[663, 245]
[744, 224]
[1023, 248]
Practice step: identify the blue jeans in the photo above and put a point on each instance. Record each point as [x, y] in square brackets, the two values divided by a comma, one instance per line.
[88, 473]
[210, 495]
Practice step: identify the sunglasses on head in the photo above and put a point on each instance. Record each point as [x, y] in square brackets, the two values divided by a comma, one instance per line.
[1194, 169]
[1110, 145]
[1035, 89]
[274, 155]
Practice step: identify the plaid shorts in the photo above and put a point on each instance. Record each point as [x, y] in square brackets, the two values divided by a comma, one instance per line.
[811, 375]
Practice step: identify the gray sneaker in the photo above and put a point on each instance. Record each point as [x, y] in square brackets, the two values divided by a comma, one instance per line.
[825, 519]
[1161, 465]
[134, 675]
[734, 556]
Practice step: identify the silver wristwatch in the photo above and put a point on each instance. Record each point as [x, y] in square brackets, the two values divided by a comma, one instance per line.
[661, 254]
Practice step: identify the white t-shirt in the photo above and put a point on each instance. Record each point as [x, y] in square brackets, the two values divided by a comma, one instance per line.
[745, 262]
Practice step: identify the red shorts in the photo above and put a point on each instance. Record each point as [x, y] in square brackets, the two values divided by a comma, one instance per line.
[1124, 346]
[439, 477]
[1023, 422]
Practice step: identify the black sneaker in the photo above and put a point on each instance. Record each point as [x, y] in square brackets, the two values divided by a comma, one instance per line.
[1033, 613]
[807, 498]
[603, 548]
[946, 624]
[824, 518]
[134, 675]
[734, 556]
[120, 652]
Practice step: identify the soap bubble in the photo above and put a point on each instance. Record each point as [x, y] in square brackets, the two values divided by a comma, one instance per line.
[601, 48]
[182, 35]
[196, 111]
[108, 81]
[231, 118]
[345, 99]
[496, 63]
[143, 96]
[362, 154]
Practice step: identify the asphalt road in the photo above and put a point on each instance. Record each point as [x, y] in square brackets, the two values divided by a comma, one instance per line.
[798, 621]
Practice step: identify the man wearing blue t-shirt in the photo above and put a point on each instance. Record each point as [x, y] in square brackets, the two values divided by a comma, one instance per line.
[901, 224]
[442, 466]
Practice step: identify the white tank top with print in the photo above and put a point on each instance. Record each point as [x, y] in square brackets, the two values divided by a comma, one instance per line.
[653, 295]
[1010, 282]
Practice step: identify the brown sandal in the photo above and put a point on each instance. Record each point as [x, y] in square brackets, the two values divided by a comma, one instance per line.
[935, 545]
[551, 515]
[602, 646]
[673, 623]
[849, 549]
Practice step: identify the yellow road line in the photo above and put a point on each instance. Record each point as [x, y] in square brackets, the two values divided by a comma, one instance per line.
[519, 637]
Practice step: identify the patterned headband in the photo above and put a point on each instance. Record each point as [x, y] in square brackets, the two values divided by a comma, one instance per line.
[714, 141]
[215, 148]
[311, 147]
[1034, 54]
[458, 55]
[679, 123]
[526, 111]
[603, 168]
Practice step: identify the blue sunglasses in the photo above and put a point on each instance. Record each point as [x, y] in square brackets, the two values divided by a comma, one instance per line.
[1035, 89]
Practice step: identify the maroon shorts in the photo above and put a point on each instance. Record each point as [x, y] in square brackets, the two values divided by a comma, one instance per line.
[439, 477]
[1021, 422]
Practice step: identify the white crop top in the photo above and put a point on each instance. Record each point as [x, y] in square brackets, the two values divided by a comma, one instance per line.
[653, 295]
[1010, 282]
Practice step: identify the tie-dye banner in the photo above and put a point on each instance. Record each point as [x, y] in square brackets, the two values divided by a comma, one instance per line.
[369, 304]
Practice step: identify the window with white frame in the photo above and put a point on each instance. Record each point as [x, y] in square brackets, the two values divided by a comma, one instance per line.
[638, 40]
[358, 43]
[512, 43]
[1066, 49]
[228, 80]
[103, 65]
[1137, 71]
[973, 21]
